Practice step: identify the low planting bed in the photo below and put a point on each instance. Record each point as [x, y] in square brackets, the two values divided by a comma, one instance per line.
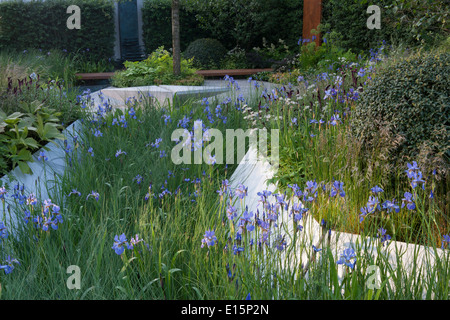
[32, 113]
[123, 180]
[140, 226]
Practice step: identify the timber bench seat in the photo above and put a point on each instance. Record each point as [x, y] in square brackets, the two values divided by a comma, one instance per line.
[205, 73]
[95, 76]
[231, 72]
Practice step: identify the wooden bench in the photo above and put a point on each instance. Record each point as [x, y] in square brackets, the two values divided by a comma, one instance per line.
[95, 76]
[205, 73]
[231, 72]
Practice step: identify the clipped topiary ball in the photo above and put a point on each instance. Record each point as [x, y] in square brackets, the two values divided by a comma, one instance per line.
[207, 53]
[411, 98]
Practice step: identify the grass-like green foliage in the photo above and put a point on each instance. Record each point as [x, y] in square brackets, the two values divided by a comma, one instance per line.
[49, 65]
[59, 65]
[84, 61]
[410, 98]
[314, 146]
[206, 53]
[157, 69]
[172, 223]
[128, 185]
[169, 262]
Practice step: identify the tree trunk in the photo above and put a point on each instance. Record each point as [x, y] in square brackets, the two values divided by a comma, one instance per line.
[176, 37]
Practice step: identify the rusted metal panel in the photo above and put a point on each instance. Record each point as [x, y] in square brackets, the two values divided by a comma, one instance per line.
[312, 14]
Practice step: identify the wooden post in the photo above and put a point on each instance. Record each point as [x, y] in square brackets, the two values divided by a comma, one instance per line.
[312, 14]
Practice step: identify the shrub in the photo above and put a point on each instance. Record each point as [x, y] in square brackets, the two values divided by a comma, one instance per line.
[408, 96]
[235, 59]
[425, 21]
[277, 56]
[327, 57]
[22, 133]
[155, 70]
[206, 53]
[445, 45]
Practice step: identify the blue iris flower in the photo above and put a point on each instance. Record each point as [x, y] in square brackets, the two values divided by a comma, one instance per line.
[337, 187]
[209, 239]
[346, 258]
[391, 205]
[119, 244]
[408, 200]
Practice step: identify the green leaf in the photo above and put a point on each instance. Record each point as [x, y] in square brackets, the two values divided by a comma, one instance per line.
[24, 167]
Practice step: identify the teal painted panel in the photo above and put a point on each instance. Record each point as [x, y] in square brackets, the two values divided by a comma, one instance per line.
[129, 32]
[128, 19]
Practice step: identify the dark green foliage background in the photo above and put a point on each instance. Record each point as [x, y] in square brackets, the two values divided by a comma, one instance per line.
[349, 18]
[157, 26]
[42, 25]
[246, 22]
[232, 22]
[408, 22]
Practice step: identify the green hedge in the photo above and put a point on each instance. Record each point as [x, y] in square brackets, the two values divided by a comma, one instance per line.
[349, 18]
[232, 22]
[247, 22]
[42, 25]
[409, 22]
[157, 25]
